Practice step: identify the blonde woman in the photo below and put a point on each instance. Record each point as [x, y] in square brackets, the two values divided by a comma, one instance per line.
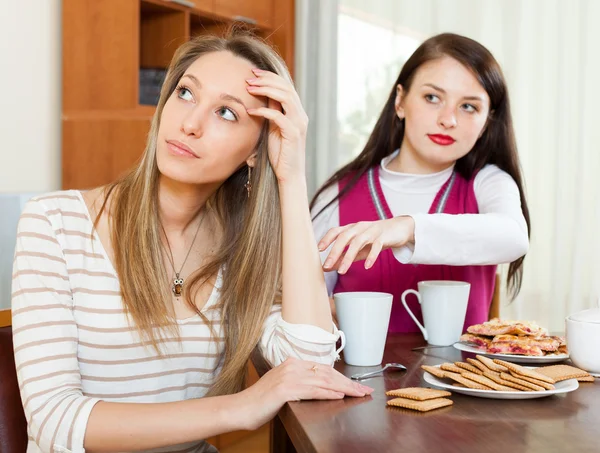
[156, 288]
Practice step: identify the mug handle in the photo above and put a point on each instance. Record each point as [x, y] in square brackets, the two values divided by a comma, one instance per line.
[403, 297]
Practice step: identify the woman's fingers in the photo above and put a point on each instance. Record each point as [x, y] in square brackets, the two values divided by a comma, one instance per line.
[342, 239]
[331, 236]
[276, 87]
[327, 377]
[318, 393]
[362, 241]
[266, 78]
[356, 245]
[302, 380]
[263, 78]
[376, 248]
[276, 116]
[285, 98]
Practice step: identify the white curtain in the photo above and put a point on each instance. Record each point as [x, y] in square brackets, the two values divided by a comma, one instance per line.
[316, 81]
[548, 51]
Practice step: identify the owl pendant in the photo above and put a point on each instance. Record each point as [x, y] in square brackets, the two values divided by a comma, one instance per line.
[177, 287]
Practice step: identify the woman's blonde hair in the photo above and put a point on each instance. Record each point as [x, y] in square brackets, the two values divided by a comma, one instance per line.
[249, 252]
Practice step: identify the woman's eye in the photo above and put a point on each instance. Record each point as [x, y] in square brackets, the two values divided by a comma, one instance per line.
[432, 98]
[185, 94]
[227, 114]
[469, 108]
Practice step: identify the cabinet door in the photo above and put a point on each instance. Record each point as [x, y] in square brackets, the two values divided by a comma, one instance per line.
[99, 55]
[200, 5]
[97, 150]
[259, 12]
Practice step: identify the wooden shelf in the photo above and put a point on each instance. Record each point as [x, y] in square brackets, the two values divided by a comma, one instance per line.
[162, 31]
[201, 24]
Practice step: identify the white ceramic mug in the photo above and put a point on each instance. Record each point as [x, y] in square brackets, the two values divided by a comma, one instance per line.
[444, 307]
[364, 318]
[583, 338]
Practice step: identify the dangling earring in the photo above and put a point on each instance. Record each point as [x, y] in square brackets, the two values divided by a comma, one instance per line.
[248, 184]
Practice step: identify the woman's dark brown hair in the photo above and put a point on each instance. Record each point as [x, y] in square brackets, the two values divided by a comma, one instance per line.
[496, 146]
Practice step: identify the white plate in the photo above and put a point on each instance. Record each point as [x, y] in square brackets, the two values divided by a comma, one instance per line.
[512, 357]
[561, 387]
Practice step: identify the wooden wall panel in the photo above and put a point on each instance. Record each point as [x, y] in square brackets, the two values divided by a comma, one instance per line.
[100, 54]
[98, 150]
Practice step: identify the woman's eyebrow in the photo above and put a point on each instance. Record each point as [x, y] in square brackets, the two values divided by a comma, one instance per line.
[230, 97]
[441, 90]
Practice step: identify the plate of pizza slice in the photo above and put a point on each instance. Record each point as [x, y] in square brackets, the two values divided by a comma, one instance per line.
[515, 341]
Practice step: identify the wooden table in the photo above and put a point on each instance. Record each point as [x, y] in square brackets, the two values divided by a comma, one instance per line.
[559, 423]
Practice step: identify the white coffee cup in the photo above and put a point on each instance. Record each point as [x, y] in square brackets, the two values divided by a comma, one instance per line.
[444, 307]
[583, 338]
[364, 318]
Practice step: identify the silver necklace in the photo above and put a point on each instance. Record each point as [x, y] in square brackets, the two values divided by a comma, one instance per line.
[177, 286]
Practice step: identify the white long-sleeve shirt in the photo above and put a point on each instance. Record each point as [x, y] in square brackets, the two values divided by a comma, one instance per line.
[74, 345]
[498, 234]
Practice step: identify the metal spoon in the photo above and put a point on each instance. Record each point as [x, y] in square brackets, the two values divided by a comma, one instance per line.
[358, 377]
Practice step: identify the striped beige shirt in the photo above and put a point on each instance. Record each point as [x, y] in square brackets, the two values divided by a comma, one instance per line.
[75, 347]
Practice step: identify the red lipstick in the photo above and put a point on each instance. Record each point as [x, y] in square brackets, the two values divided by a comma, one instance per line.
[439, 139]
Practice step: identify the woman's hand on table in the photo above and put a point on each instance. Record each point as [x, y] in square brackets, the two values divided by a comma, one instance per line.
[295, 380]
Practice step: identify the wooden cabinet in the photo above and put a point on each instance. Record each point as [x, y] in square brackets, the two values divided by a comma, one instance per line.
[256, 12]
[207, 6]
[162, 31]
[86, 139]
[100, 55]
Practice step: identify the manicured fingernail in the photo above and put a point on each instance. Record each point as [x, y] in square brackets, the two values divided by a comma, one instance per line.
[343, 268]
[367, 390]
[328, 263]
[320, 246]
[251, 88]
[251, 80]
[257, 71]
[368, 264]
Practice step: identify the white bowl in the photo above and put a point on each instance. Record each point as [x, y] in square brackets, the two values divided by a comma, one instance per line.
[583, 339]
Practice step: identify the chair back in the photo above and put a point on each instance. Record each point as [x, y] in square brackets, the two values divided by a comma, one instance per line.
[13, 426]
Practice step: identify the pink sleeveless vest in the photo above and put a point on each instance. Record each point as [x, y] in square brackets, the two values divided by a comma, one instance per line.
[365, 202]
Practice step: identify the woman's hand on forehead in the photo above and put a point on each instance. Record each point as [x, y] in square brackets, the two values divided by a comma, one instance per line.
[288, 123]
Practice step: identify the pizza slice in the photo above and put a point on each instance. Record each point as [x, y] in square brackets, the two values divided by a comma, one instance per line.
[507, 327]
[514, 344]
[515, 348]
[478, 340]
[549, 344]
